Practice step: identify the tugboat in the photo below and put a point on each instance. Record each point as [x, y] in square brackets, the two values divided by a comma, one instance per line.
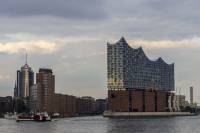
[39, 117]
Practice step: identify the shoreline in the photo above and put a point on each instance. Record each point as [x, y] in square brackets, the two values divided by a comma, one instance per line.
[111, 114]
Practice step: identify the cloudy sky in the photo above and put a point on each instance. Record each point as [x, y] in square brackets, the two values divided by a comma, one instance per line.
[70, 37]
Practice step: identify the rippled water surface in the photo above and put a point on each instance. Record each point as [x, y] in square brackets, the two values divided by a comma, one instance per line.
[98, 124]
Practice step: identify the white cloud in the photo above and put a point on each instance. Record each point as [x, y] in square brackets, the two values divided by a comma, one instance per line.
[162, 44]
[39, 46]
[77, 40]
[4, 77]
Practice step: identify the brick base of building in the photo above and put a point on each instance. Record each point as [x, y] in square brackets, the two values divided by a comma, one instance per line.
[138, 100]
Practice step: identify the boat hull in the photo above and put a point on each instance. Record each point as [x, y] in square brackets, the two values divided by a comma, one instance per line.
[18, 120]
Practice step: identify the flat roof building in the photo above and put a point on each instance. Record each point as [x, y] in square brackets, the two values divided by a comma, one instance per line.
[46, 80]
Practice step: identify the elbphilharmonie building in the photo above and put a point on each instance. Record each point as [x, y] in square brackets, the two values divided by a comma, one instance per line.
[129, 68]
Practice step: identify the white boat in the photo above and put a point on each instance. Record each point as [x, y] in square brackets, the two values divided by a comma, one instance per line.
[56, 115]
[10, 116]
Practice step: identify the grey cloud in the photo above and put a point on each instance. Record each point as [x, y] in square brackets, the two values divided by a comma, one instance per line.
[77, 9]
[153, 19]
[148, 19]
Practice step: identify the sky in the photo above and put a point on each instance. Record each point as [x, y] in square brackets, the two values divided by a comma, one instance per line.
[70, 36]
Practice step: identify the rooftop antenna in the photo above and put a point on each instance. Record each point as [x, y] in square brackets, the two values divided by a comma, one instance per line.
[26, 57]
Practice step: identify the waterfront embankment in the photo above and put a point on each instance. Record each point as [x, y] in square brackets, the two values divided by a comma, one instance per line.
[146, 114]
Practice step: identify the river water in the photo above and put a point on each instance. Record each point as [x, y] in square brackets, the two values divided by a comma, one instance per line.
[98, 124]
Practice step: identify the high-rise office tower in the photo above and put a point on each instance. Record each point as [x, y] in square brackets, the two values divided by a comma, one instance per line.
[129, 68]
[25, 79]
[46, 80]
[35, 98]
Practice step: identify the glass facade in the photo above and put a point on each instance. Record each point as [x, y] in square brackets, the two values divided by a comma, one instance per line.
[129, 68]
[35, 98]
[25, 79]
